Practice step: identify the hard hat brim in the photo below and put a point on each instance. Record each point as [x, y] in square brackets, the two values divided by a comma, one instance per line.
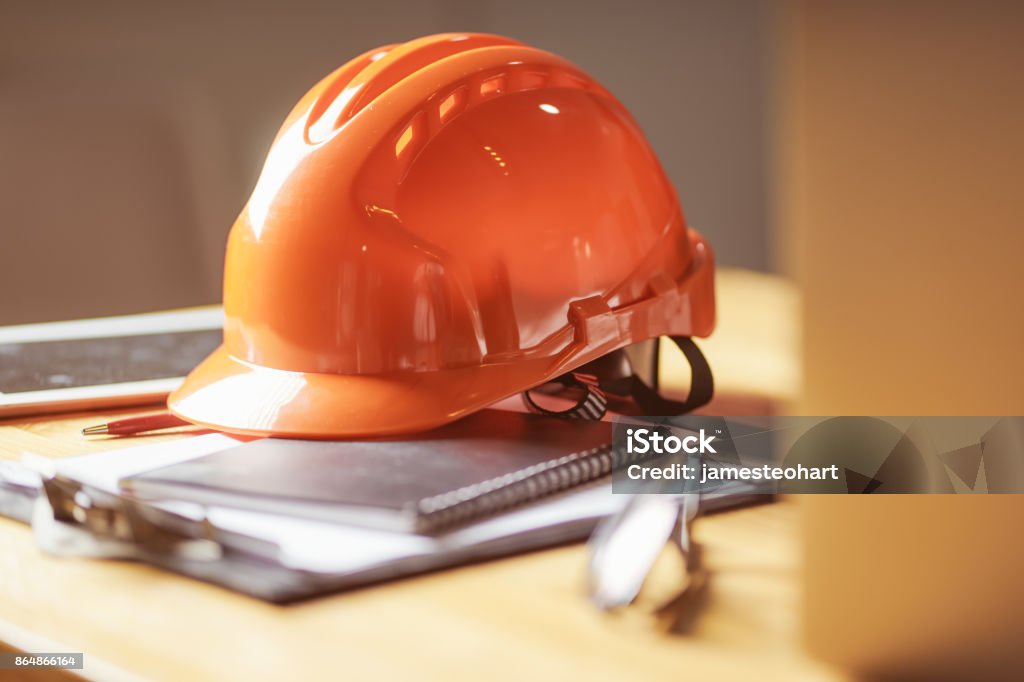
[229, 394]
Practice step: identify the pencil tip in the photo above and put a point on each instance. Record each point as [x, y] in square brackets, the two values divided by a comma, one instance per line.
[94, 430]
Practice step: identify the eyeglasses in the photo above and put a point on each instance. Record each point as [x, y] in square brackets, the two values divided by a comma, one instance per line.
[625, 547]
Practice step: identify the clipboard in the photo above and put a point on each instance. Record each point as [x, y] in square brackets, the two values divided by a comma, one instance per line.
[280, 559]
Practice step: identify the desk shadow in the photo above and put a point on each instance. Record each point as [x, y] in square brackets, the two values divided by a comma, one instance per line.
[681, 614]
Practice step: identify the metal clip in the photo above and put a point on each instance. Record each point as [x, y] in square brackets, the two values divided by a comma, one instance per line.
[84, 520]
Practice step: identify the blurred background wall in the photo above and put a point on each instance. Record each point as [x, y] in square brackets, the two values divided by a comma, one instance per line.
[901, 168]
[132, 133]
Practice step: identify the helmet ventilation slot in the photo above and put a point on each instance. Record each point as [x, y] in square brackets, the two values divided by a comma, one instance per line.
[447, 104]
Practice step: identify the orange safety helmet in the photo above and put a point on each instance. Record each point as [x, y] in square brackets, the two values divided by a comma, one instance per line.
[439, 225]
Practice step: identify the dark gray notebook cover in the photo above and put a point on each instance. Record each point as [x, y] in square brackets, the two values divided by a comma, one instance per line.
[377, 483]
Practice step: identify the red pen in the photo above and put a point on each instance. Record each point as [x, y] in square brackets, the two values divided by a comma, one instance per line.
[133, 425]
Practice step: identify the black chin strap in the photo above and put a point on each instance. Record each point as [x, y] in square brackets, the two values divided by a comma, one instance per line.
[702, 383]
[613, 375]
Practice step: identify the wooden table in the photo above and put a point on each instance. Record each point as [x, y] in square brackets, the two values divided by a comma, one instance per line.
[522, 617]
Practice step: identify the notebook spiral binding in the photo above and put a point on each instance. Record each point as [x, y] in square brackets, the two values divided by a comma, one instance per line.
[489, 497]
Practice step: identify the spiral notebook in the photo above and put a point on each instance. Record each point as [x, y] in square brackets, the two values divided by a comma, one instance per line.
[479, 466]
